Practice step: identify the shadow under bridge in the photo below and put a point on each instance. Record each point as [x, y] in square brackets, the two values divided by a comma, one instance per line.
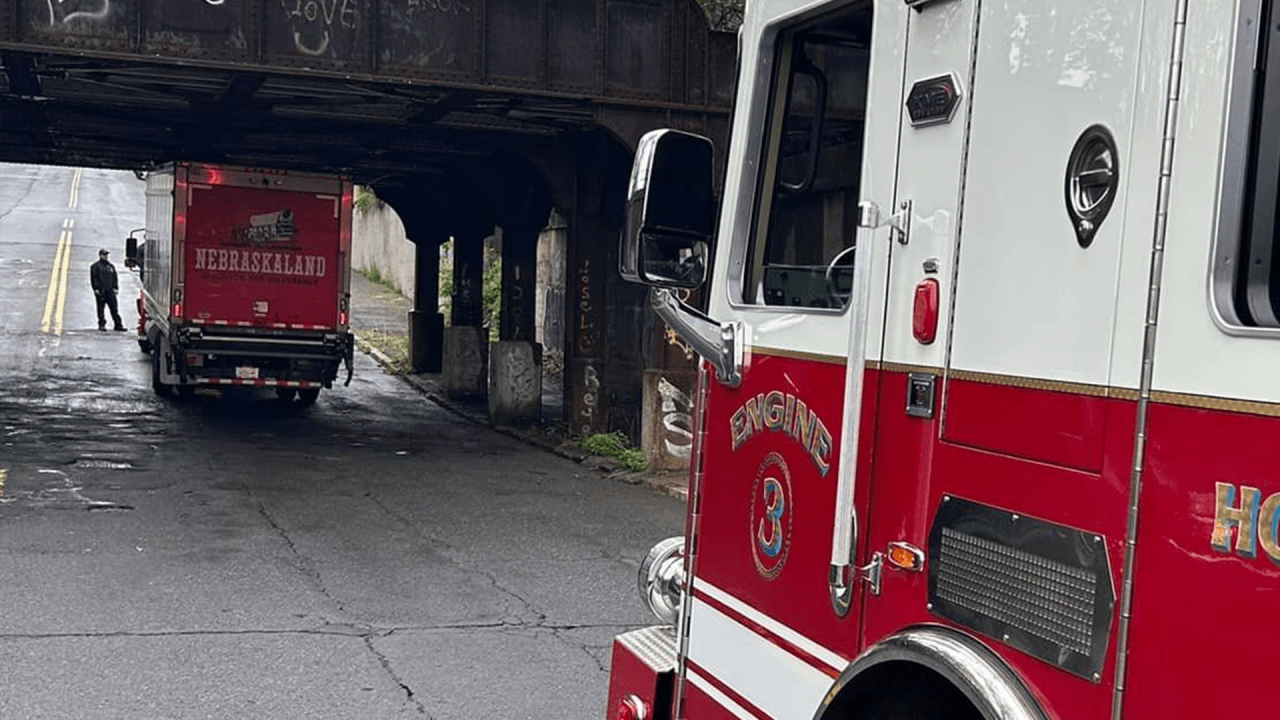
[471, 118]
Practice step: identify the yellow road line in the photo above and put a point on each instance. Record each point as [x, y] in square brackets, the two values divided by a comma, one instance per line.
[4, 475]
[60, 311]
[55, 300]
[74, 199]
[46, 322]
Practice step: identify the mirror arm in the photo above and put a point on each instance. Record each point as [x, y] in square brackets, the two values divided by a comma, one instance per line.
[718, 343]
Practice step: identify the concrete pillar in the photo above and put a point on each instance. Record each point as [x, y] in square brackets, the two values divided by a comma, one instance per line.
[552, 285]
[667, 418]
[515, 383]
[519, 284]
[426, 323]
[464, 375]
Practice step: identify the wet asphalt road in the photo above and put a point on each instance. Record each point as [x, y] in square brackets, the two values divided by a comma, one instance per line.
[371, 556]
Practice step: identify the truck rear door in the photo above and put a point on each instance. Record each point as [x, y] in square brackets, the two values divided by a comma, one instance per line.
[263, 249]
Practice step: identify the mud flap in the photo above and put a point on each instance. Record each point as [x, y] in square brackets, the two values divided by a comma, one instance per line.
[347, 357]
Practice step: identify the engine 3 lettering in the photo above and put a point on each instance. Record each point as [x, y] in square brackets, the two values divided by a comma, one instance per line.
[1254, 521]
[781, 412]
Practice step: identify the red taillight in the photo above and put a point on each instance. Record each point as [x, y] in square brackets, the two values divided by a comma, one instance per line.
[924, 315]
[342, 318]
[632, 708]
[176, 310]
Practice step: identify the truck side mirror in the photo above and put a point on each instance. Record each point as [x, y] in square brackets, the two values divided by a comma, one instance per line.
[130, 251]
[670, 207]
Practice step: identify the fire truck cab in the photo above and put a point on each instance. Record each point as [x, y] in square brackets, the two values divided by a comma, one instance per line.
[988, 396]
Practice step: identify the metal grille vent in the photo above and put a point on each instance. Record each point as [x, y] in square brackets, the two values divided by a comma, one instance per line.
[1043, 588]
[1047, 599]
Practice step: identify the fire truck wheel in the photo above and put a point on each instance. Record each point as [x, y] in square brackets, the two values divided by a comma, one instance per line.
[286, 394]
[308, 395]
[942, 701]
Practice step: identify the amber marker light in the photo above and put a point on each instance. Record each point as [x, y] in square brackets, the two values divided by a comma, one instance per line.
[906, 557]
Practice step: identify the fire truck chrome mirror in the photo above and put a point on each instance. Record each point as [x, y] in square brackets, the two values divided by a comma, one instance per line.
[870, 216]
[718, 343]
[661, 579]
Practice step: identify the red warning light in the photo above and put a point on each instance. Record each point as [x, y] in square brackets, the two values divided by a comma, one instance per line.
[924, 314]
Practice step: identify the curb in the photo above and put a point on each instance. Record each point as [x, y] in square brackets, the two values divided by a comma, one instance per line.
[672, 484]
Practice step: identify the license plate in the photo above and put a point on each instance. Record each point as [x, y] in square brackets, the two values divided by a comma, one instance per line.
[247, 373]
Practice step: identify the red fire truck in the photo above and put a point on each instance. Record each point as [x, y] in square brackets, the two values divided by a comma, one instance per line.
[988, 401]
[246, 275]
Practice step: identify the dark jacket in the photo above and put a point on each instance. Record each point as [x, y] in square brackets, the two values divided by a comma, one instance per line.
[102, 276]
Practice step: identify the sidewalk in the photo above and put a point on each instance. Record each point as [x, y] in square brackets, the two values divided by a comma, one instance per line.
[379, 321]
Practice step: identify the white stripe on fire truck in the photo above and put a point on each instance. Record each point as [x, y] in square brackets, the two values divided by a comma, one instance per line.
[721, 699]
[780, 684]
[801, 643]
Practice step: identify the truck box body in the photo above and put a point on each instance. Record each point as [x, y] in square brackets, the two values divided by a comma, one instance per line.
[246, 275]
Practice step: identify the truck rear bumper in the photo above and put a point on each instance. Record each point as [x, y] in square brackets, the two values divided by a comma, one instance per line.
[278, 359]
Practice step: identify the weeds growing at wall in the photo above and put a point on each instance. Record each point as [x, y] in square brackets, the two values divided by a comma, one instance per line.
[614, 445]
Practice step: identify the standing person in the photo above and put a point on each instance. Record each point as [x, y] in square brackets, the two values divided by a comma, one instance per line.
[102, 276]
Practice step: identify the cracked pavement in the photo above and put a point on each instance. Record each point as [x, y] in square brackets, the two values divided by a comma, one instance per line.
[372, 556]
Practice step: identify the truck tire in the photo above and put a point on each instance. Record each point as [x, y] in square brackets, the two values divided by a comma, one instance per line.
[286, 394]
[307, 396]
[931, 701]
[156, 383]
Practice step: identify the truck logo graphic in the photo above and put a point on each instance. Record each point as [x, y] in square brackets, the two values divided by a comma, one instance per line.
[771, 516]
[266, 229]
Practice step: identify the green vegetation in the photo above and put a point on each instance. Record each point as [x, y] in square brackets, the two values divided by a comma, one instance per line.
[614, 445]
[490, 288]
[491, 291]
[375, 275]
[394, 346]
[365, 199]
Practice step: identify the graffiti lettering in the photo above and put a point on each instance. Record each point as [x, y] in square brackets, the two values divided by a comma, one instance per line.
[452, 7]
[590, 399]
[587, 342]
[64, 11]
[326, 11]
[676, 419]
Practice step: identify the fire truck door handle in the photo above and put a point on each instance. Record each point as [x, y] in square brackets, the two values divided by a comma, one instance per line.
[871, 216]
[840, 580]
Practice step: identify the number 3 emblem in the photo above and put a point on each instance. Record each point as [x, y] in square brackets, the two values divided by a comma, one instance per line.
[771, 516]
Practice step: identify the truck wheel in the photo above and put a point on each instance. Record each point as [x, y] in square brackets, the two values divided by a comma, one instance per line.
[308, 395]
[156, 383]
[933, 701]
[286, 394]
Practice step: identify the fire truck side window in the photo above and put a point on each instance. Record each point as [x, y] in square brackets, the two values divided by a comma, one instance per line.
[801, 252]
[1247, 274]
